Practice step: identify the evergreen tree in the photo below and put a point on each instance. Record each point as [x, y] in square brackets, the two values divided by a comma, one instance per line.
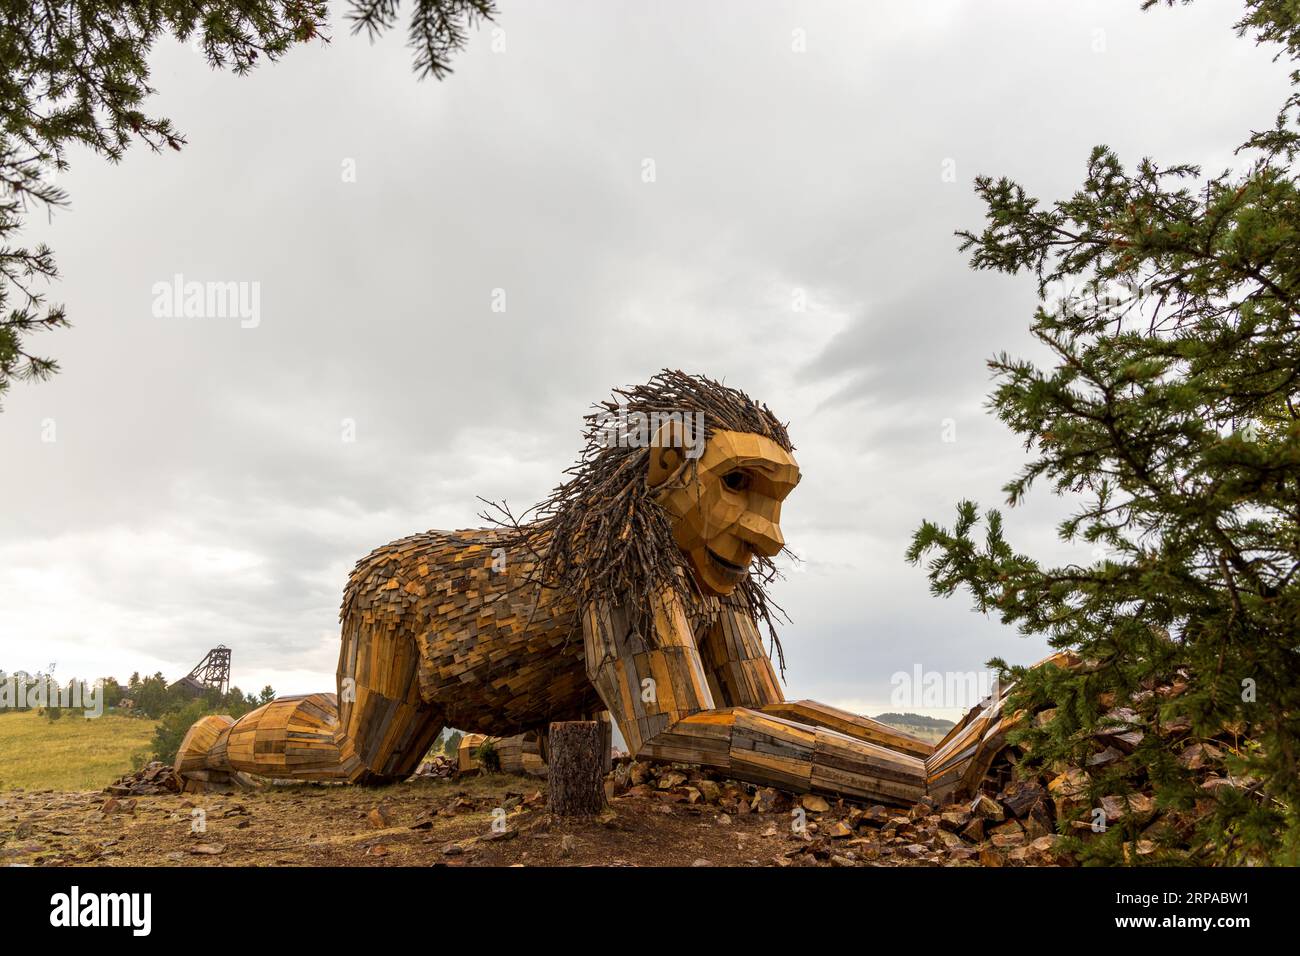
[172, 727]
[110, 691]
[76, 73]
[152, 696]
[235, 704]
[1170, 301]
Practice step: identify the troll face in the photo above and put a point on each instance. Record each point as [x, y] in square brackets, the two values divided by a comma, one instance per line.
[726, 507]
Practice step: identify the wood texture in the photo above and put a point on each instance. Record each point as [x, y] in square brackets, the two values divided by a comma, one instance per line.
[522, 754]
[576, 777]
[962, 758]
[465, 759]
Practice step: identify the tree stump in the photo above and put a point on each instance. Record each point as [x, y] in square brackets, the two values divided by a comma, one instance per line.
[575, 776]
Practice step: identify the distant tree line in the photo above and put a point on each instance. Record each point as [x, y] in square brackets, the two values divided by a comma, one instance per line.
[153, 697]
[915, 720]
[21, 691]
[175, 708]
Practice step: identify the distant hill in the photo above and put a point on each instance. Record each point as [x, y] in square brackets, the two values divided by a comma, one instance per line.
[931, 729]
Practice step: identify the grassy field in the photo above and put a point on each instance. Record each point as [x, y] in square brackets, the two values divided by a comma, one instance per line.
[68, 754]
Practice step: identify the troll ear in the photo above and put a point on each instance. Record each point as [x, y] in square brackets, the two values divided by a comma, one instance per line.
[665, 453]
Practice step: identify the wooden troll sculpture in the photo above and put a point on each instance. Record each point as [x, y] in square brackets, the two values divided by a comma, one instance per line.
[638, 587]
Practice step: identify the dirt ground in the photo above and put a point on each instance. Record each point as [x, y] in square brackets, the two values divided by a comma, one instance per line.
[417, 823]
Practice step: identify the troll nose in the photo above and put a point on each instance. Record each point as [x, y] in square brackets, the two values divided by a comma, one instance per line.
[763, 534]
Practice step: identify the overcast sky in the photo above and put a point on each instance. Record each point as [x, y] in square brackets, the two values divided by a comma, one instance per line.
[198, 488]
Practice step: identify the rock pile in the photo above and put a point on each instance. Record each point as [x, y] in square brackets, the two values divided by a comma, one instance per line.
[1014, 828]
[1087, 799]
[1018, 817]
[153, 778]
[435, 768]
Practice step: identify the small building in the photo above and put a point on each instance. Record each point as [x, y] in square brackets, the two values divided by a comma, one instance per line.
[212, 671]
[189, 686]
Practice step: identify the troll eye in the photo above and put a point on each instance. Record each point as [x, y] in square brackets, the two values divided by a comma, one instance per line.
[736, 480]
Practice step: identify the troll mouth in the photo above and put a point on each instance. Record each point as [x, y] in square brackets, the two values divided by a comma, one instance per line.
[725, 564]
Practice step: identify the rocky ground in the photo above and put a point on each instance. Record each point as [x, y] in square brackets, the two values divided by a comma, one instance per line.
[491, 820]
[658, 816]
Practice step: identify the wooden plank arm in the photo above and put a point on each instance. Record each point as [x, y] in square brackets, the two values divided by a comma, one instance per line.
[849, 724]
[772, 751]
